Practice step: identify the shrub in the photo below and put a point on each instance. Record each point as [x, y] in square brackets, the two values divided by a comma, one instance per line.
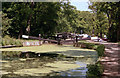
[100, 50]
[85, 45]
[98, 47]
[90, 45]
[18, 43]
[10, 41]
[3, 43]
[6, 37]
[95, 70]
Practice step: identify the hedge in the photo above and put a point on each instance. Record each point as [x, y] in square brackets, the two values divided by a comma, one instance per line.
[98, 47]
[10, 41]
[100, 50]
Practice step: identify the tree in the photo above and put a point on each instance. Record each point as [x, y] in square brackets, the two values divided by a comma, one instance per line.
[40, 18]
[66, 15]
[5, 24]
[19, 13]
[112, 10]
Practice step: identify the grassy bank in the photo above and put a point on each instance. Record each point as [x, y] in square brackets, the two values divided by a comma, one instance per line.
[67, 50]
[100, 48]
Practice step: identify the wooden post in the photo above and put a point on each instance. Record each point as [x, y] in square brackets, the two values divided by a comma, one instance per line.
[76, 39]
[39, 39]
[59, 41]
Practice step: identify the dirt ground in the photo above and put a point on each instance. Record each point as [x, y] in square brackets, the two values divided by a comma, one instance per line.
[111, 61]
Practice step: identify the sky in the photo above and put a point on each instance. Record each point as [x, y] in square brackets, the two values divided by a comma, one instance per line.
[81, 5]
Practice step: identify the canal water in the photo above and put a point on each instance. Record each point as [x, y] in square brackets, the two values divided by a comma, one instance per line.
[13, 61]
[78, 72]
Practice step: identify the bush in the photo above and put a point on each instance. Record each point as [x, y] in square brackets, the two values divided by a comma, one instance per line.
[95, 70]
[18, 43]
[3, 43]
[98, 47]
[100, 50]
[90, 45]
[10, 41]
[86, 45]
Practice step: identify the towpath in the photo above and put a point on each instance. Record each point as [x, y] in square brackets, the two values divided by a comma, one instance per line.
[111, 61]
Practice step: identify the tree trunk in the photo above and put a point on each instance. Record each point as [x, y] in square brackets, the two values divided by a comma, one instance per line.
[97, 29]
[118, 26]
[118, 32]
[101, 35]
[29, 20]
[20, 33]
[110, 25]
[101, 31]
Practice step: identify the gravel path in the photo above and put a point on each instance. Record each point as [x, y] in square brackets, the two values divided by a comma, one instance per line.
[111, 61]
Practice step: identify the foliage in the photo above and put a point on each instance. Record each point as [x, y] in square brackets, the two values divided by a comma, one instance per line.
[112, 10]
[86, 45]
[49, 18]
[11, 41]
[28, 16]
[95, 70]
[98, 47]
[5, 24]
[46, 18]
[85, 22]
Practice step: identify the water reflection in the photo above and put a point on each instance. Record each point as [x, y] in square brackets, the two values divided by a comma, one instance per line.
[23, 60]
[79, 72]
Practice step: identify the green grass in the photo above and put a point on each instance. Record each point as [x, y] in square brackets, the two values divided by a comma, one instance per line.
[49, 48]
[98, 47]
